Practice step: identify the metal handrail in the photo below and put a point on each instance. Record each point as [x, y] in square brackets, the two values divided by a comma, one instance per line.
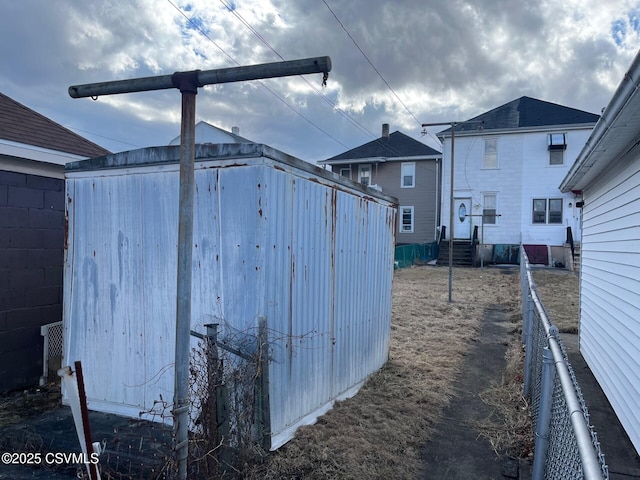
[588, 456]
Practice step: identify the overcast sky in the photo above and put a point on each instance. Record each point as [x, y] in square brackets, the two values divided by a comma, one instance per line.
[437, 61]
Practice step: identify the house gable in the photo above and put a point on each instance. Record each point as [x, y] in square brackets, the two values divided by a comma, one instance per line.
[207, 133]
[396, 145]
[22, 125]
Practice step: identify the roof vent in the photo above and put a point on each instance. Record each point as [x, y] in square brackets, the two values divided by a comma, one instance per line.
[385, 130]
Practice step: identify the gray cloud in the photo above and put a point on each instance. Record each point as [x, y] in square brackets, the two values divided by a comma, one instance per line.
[446, 60]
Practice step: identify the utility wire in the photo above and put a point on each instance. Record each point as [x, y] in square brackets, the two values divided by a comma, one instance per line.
[370, 62]
[313, 87]
[197, 27]
[386, 146]
[374, 67]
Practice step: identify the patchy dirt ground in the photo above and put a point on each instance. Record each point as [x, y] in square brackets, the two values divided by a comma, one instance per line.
[558, 290]
[20, 405]
[378, 433]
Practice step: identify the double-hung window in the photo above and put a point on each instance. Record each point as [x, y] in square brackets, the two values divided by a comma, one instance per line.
[557, 144]
[490, 159]
[408, 175]
[364, 174]
[489, 201]
[547, 211]
[406, 220]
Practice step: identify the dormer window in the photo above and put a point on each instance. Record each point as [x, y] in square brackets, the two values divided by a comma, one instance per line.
[557, 144]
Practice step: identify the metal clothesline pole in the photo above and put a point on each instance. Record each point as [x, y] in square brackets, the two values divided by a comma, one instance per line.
[451, 196]
[188, 84]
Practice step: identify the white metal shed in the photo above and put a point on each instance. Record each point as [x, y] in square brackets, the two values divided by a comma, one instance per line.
[274, 237]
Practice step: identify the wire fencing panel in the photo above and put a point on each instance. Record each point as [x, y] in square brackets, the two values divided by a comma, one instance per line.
[415, 254]
[52, 349]
[562, 450]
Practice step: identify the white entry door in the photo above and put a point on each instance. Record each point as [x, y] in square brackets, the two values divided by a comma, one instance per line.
[461, 220]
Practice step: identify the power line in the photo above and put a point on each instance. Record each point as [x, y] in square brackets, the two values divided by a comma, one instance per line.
[315, 89]
[197, 27]
[387, 147]
[371, 63]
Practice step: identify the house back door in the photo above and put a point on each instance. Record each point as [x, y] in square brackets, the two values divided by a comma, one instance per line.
[461, 220]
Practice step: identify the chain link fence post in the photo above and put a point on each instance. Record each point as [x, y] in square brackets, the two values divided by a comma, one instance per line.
[544, 416]
[527, 333]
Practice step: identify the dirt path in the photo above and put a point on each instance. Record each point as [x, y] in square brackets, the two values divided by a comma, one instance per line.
[457, 450]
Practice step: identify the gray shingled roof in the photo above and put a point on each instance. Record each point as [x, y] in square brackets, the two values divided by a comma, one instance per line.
[22, 125]
[397, 145]
[527, 112]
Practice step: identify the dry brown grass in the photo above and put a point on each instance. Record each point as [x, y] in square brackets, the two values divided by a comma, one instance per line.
[378, 433]
[558, 290]
[509, 429]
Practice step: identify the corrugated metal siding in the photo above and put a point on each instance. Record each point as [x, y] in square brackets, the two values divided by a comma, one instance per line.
[610, 290]
[313, 257]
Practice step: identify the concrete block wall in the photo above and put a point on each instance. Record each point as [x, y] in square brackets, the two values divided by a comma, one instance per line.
[31, 260]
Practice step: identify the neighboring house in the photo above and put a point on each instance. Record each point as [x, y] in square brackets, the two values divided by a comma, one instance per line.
[33, 151]
[401, 167]
[606, 176]
[508, 163]
[207, 133]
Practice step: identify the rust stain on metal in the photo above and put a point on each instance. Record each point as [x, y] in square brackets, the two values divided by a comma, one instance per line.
[66, 230]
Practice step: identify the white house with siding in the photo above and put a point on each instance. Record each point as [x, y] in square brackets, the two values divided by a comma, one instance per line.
[508, 163]
[606, 175]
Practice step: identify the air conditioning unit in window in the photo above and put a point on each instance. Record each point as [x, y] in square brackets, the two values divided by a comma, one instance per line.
[556, 141]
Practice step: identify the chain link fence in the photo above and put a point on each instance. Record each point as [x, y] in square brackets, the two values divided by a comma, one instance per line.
[566, 445]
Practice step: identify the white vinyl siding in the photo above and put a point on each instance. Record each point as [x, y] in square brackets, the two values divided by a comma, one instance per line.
[610, 290]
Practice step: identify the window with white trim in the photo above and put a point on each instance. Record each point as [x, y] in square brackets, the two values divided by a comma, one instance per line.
[547, 211]
[557, 144]
[406, 219]
[489, 202]
[345, 172]
[364, 174]
[408, 175]
[490, 159]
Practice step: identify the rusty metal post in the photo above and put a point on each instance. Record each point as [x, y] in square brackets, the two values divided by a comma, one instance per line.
[187, 83]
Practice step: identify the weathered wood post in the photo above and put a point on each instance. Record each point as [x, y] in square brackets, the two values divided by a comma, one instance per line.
[188, 83]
